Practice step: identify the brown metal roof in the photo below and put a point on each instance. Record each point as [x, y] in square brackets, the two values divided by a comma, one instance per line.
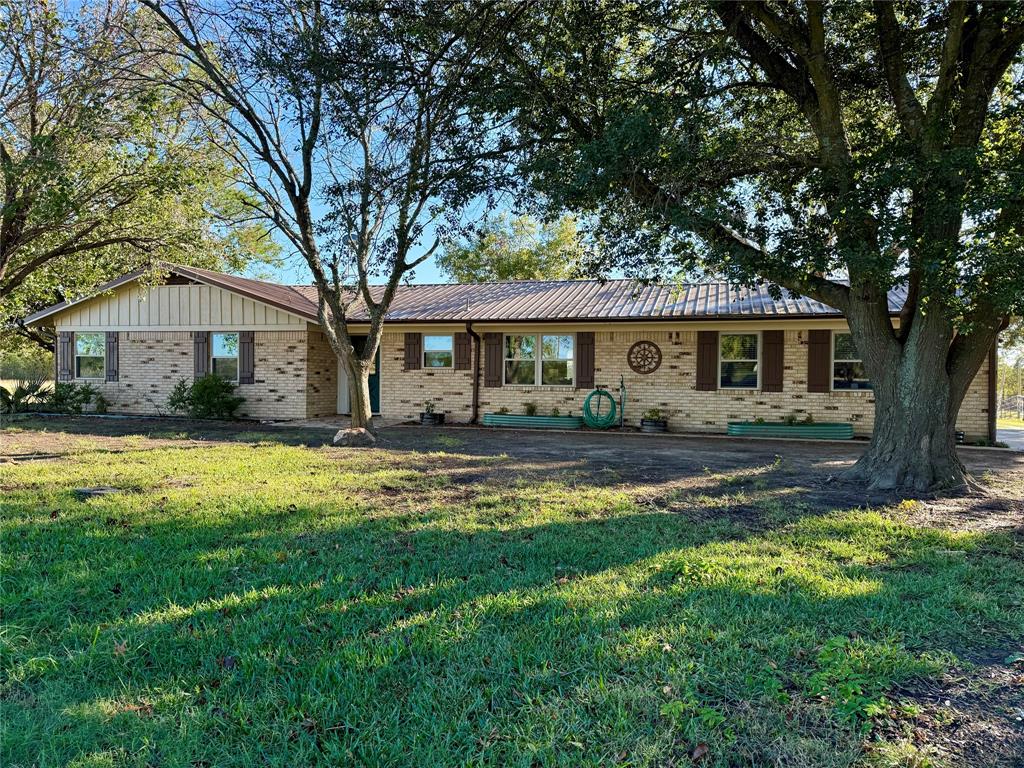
[526, 300]
[591, 300]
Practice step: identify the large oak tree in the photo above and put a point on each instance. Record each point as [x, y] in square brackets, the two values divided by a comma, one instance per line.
[838, 150]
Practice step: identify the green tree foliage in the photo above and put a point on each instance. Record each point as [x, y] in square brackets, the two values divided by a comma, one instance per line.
[353, 124]
[102, 169]
[837, 150]
[520, 248]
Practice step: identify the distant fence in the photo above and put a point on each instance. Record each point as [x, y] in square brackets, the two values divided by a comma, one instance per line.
[1011, 405]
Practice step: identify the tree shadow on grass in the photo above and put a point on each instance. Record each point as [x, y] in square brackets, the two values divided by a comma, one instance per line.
[473, 634]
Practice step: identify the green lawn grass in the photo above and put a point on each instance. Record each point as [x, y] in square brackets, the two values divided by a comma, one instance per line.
[264, 604]
[1009, 421]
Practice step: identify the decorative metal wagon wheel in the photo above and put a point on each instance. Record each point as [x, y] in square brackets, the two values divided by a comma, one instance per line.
[644, 357]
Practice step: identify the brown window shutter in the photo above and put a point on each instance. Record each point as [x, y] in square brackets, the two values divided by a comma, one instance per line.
[585, 360]
[413, 351]
[707, 361]
[772, 360]
[246, 357]
[463, 352]
[66, 356]
[112, 354]
[819, 360]
[492, 360]
[201, 350]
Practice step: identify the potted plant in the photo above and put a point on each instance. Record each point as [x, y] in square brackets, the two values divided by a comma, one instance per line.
[653, 421]
[429, 417]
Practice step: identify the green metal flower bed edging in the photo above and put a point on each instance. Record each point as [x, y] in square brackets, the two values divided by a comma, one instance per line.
[824, 431]
[532, 422]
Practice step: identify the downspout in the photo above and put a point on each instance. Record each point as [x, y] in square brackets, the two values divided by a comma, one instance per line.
[476, 372]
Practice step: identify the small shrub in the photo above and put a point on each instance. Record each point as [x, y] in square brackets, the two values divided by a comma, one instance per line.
[530, 409]
[22, 396]
[101, 404]
[68, 397]
[653, 414]
[790, 419]
[555, 412]
[428, 407]
[759, 420]
[503, 411]
[808, 419]
[209, 397]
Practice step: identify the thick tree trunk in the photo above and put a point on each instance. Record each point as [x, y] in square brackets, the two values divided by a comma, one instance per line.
[357, 371]
[913, 446]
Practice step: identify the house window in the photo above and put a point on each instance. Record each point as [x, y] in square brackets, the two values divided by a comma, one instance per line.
[847, 366]
[520, 359]
[737, 360]
[224, 355]
[556, 360]
[437, 351]
[550, 363]
[90, 355]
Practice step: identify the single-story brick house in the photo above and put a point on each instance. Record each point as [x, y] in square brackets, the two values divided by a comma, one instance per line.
[705, 354]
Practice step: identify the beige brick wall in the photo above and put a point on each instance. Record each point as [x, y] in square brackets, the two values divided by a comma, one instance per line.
[670, 389]
[151, 362]
[322, 376]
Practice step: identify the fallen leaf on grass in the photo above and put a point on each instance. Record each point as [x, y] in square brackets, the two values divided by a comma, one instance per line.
[120, 649]
[699, 752]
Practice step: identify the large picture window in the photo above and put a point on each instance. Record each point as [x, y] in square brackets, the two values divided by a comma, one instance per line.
[847, 366]
[90, 355]
[551, 362]
[438, 351]
[737, 360]
[224, 355]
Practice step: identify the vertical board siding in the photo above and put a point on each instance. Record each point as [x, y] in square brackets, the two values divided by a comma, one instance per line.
[819, 360]
[707, 361]
[772, 360]
[163, 306]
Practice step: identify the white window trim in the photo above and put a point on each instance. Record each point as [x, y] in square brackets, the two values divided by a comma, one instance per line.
[832, 367]
[538, 359]
[718, 372]
[103, 355]
[237, 357]
[423, 352]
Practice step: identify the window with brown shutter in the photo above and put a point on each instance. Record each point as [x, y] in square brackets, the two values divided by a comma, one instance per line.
[492, 359]
[585, 360]
[246, 357]
[413, 352]
[201, 353]
[112, 356]
[463, 352]
[819, 360]
[707, 361]
[773, 344]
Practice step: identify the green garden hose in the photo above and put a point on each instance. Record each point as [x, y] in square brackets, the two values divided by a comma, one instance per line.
[592, 413]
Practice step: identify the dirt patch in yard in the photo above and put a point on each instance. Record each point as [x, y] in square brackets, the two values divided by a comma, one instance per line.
[971, 716]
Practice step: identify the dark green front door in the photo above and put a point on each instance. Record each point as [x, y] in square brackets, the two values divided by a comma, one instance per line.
[358, 342]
